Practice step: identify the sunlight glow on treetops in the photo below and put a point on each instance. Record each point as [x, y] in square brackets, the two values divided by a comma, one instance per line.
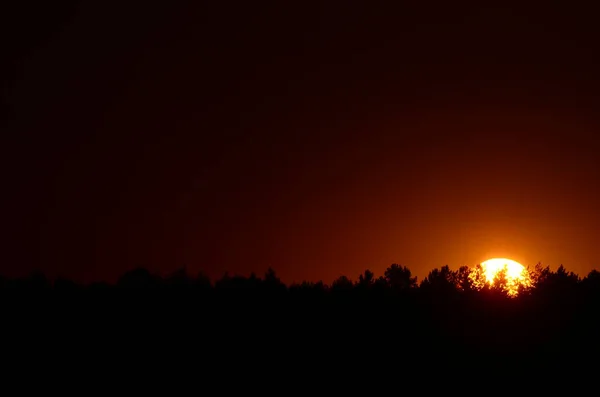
[502, 273]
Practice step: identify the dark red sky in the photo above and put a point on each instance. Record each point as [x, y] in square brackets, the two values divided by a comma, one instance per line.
[317, 139]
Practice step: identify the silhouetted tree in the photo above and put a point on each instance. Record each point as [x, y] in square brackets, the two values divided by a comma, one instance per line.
[35, 283]
[591, 282]
[477, 280]
[500, 285]
[441, 280]
[272, 282]
[342, 283]
[309, 287]
[556, 283]
[238, 284]
[463, 282]
[65, 285]
[566, 276]
[179, 279]
[366, 280]
[202, 281]
[400, 278]
[138, 278]
[539, 273]
[100, 287]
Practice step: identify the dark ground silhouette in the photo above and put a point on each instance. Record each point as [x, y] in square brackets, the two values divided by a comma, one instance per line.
[260, 324]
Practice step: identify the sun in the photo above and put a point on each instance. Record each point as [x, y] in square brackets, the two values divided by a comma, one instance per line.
[516, 274]
[491, 267]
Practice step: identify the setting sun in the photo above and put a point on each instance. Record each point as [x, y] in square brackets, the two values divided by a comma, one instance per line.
[516, 274]
[492, 266]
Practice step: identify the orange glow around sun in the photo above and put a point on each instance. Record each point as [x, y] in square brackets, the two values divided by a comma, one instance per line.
[516, 274]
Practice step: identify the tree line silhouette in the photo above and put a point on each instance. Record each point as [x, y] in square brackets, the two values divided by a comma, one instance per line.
[449, 314]
[397, 281]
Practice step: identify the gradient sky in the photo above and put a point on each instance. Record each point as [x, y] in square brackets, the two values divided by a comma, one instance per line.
[317, 139]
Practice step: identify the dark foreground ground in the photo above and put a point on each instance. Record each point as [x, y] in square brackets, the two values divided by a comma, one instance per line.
[282, 327]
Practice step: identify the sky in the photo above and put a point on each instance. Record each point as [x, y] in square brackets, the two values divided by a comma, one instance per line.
[317, 138]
